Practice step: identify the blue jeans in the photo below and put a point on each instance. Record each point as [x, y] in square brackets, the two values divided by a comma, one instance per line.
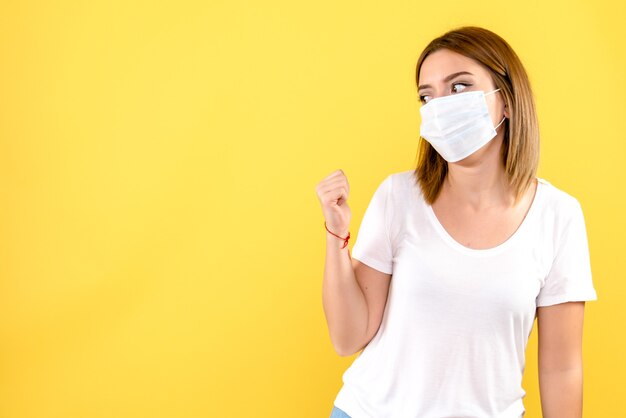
[338, 413]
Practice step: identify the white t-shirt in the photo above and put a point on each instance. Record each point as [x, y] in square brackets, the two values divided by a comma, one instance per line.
[454, 331]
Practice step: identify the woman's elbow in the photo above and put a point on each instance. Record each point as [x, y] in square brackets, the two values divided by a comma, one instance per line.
[346, 349]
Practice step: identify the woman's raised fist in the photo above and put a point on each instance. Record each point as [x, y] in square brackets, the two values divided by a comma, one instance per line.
[333, 192]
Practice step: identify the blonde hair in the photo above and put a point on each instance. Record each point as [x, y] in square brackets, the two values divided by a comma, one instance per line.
[520, 150]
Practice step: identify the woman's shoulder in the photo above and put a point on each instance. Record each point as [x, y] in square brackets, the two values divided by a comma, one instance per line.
[555, 194]
[399, 190]
[402, 180]
[402, 186]
[556, 201]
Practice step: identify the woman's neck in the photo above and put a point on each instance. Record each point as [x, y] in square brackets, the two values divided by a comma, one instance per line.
[479, 181]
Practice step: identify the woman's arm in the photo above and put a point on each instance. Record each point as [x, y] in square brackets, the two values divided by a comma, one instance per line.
[354, 297]
[354, 294]
[560, 330]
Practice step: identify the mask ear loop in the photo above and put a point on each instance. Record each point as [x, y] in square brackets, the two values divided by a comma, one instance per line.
[498, 125]
[504, 117]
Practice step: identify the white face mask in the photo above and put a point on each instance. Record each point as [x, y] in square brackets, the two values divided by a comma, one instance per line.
[457, 125]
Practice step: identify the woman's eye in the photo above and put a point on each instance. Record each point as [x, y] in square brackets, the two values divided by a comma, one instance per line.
[461, 87]
[424, 98]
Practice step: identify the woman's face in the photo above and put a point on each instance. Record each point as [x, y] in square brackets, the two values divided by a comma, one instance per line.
[446, 72]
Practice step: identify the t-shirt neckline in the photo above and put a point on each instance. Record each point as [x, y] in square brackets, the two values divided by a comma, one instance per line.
[493, 250]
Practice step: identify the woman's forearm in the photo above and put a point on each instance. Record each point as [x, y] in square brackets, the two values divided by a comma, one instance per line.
[561, 393]
[345, 306]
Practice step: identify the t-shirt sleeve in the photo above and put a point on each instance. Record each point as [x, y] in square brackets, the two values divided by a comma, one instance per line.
[373, 244]
[569, 279]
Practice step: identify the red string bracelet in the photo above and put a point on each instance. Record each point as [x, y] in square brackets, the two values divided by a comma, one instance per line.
[345, 240]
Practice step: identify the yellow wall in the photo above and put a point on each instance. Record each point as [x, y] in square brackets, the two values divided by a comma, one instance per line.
[161, 243]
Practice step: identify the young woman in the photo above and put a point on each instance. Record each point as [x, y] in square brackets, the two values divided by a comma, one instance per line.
[455, 260]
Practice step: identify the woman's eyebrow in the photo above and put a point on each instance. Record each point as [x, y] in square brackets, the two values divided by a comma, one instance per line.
[448, 78]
